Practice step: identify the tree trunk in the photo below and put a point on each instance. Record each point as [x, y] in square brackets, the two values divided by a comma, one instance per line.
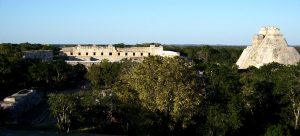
[297, 114]
[296, 123]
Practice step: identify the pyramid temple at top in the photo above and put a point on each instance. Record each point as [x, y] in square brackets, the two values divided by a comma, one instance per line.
[268, 46]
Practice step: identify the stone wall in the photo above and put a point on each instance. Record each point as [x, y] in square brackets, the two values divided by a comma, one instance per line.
[20, 102]
[92, 54]
[268, 46]
[45, 55]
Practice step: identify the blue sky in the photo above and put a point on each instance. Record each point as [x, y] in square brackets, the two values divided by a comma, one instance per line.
[141, 21]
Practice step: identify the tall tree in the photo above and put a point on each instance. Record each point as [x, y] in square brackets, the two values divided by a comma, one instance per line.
[63, 107]
[288, 89]
[167, 85]
[222, 104]
[103, 75]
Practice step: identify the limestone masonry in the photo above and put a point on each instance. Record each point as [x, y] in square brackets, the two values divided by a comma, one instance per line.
[88, 55]
[44, 55]
[268, 46]
[20, 102]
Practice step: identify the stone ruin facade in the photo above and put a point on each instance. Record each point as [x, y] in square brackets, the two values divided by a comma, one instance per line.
[44, 55]
[20, 102]
[267, 47]
[88, 55]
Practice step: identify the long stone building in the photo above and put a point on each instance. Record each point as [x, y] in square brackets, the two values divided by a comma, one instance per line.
[45, 55]
[267, 47]
[94, 54]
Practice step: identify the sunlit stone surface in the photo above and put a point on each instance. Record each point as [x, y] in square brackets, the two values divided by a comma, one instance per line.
[268, 46]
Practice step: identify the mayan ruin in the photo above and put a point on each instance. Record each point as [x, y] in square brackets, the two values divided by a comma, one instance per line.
[149, 67]
[93, 54]
[267, 47]
[20, 102]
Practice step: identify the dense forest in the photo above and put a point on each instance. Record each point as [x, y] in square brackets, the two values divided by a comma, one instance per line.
[17, 73]
[200, 93]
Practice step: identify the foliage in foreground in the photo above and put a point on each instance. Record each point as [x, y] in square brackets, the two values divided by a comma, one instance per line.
[172, 96]
[168, 96]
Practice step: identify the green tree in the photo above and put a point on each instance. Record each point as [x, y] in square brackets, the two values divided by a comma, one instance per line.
[5, 68]
[288, 89]
[205, 53]
[168, 86]
[261, 106]
[222, 104]
[103, 75]
[5, 74]
[63, 106]
[59, 71]
[40, 74]
[277, 130]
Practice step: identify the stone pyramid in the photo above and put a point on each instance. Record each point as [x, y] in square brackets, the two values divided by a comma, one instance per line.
[268, 46]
